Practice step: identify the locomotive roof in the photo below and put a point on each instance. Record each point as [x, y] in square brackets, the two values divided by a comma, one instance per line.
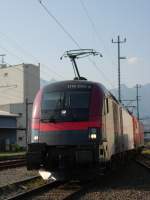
[73, 81]
[80, 82]
[83, 82]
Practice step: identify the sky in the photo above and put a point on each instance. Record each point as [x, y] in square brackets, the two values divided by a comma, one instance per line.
[28, 34]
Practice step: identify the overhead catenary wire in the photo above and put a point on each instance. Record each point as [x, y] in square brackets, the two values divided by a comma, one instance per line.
[14, 66]
[43, 70]
[4, 88]
[99, 70]
[58, 23]
[96, 33]
[16, 92]
[12, 54]
[28, 54]
[11, 94]
[90, 19]
[67, 33]
[94, 27]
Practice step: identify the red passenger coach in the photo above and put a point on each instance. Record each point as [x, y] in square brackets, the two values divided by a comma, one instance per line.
[138, 132]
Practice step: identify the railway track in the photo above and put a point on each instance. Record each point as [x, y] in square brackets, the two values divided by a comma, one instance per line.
[20, 188]
[5, 164]
[144, 161]
[34, 191]
[53, 190]
[74, 189]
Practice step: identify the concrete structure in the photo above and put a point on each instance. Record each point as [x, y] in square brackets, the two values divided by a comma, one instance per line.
[18, 87]
[8, 130]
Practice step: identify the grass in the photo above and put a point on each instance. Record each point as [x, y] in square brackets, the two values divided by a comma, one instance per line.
[9, 154]
[146, 151]
[147, 144]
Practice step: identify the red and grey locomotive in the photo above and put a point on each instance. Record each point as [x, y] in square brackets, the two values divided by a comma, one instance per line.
[78, 125]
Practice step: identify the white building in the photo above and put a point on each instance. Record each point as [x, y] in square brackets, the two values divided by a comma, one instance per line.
[18, 87]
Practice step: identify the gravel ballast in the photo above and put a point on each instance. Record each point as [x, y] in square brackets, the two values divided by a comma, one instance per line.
[129, 183]
[115, 194]
[12, 175]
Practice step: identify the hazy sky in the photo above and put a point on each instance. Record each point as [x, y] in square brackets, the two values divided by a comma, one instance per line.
[28, 34]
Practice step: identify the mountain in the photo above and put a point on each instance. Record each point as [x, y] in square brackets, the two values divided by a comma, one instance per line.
[45, 82]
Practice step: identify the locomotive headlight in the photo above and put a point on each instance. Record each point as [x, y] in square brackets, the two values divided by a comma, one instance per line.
[35, 138]
[93, 133]
[93, 136]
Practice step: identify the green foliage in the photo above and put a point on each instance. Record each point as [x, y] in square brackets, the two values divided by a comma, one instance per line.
[16, 148]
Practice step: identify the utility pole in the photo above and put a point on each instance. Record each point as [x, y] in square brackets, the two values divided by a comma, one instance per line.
[137, 100]
[2, 59]
[119, 58]
[129, 103]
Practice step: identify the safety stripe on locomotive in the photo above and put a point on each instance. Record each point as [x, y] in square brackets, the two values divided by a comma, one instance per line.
[62, 126]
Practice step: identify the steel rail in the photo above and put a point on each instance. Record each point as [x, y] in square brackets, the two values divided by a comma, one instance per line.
[35, 191]
[7, 189]
[12, 163]
[144, 163]
[19, 182]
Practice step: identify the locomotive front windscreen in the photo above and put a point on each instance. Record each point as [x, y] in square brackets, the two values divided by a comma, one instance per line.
[62, 106]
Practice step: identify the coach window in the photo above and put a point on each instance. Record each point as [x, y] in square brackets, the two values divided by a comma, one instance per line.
[104, 107]
[107, 106]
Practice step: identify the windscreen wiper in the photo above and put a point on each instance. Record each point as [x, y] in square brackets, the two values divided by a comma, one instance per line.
[51, 119]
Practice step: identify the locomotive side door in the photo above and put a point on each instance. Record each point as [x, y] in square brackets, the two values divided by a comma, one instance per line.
[121, 130]
[116, 127]
[105, 114]
[104, 121]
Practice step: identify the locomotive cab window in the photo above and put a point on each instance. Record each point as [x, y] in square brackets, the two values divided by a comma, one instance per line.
[77, 99]
[53, 100]
[66, 105]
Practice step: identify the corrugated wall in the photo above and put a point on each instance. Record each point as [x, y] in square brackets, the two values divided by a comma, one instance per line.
[7, 132]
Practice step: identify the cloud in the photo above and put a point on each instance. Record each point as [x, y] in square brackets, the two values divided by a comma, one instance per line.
[133, 60]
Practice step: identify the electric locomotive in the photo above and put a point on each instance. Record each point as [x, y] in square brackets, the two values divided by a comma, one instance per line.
[78, 127]
[67, 126]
